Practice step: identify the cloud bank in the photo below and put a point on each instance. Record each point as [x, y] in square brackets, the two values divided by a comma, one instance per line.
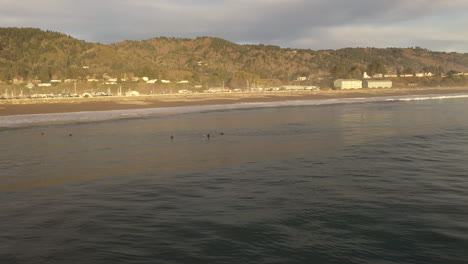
[316, 24]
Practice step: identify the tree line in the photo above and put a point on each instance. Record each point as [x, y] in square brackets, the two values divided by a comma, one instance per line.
[28, 54]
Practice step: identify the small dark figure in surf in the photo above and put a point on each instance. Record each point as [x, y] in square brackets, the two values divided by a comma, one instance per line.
[172, 137]
[42, 133]
[207, 136]
[222, 133]
[70, 135]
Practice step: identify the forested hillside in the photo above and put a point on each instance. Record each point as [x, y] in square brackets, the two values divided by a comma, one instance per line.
[28, 53]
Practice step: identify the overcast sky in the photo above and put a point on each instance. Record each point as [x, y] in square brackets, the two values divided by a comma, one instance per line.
[440, 25]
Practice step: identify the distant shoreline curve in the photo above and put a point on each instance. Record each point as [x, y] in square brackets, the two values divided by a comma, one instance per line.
[87, 114]
[67, 105]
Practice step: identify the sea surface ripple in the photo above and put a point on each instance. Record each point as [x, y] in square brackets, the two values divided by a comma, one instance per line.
[380, 182]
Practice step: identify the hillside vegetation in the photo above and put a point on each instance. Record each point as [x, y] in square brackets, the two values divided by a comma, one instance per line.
[28, 54]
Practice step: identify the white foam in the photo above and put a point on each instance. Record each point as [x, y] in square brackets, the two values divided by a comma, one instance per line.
[33, 119]
[430, 97]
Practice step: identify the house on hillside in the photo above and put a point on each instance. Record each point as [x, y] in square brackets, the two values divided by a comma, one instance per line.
[348, 84]
[18, 81]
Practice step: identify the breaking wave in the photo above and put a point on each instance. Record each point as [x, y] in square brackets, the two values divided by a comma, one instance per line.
[92, 116]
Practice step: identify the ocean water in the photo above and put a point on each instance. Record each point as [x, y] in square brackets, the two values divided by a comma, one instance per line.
[368, 182]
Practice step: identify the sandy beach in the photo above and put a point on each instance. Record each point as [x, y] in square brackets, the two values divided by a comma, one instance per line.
[65, 105]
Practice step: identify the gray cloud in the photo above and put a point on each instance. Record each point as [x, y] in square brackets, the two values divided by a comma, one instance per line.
[293, 23]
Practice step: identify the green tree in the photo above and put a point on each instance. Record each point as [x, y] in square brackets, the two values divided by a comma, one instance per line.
[44, 74]
[339, 71]
[355, 72]
[408, 70]
[376, 67]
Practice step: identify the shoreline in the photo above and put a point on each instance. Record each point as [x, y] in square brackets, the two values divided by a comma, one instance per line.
[71, 105]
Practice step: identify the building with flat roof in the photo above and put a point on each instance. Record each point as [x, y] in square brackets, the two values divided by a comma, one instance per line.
[348, 84]
[378, 84]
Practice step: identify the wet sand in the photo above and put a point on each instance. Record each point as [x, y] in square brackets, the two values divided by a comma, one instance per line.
[65, 105]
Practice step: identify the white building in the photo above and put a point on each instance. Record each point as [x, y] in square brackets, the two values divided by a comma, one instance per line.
[44, 84]
[348, 84]
[153, 81]
[302, 78]
[379, 84]
[184, 91]
[258, 89]
[217, 90]
[390, 75]
[165, 81]
[132, 93]
[365, 75]
[299, 88]
[377, 75]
